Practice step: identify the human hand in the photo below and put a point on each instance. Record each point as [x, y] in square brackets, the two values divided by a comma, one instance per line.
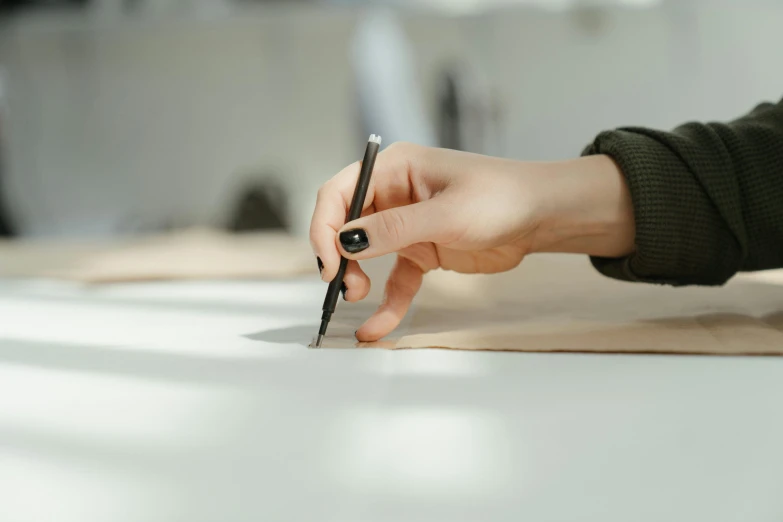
[439, 208]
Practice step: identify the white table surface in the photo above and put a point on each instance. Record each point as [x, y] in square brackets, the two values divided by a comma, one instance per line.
[199, 401]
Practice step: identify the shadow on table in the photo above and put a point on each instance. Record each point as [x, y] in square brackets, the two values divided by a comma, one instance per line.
[340, 333]
[298, 334]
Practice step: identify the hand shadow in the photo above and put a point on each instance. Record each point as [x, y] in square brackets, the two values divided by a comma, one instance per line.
[299, 334]
[341, 330]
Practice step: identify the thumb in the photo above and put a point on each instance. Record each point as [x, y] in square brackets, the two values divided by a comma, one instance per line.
[392, 230]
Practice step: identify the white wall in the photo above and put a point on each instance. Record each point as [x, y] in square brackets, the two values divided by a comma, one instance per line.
[656, 68]
[158, 121]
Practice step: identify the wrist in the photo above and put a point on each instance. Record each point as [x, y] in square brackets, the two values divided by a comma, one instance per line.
[586, 209]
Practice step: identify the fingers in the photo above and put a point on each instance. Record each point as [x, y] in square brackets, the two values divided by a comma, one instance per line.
[330, 212]
[390, 186]
[356, 282]
[404, 282]
[394, 229]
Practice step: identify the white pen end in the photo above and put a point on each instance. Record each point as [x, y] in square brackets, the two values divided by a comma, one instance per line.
[375, 139]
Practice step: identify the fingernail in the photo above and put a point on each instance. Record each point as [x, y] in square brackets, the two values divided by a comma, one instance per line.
[320, 265]
[344, 289]
[355, 240]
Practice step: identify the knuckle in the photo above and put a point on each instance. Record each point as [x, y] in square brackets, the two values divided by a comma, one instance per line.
[405, 155]
[403, 148]
[393, 226]
[313, 235]
[348, 172]
[394, 148]
[322, 191]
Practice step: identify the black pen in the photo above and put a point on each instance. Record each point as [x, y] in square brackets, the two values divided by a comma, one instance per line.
[357, 204]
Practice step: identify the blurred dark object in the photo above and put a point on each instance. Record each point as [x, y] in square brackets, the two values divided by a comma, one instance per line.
[261, 206]
[468, 110]
[6, 228]
[591, 20]
[449, 114]
[8, 6]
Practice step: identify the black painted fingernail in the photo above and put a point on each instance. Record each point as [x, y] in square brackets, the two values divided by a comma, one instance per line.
[320, 265]
[343, 290]
[355, 240]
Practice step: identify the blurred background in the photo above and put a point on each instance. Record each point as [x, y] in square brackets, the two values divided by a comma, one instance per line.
[126, 117]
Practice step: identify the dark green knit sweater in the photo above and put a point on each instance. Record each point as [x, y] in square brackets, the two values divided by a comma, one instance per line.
[708, 198]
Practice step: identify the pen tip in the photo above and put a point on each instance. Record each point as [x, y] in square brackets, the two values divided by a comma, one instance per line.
[319, 341]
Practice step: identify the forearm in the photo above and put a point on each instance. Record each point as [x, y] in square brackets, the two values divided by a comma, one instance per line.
[692, 206]
[586, 209]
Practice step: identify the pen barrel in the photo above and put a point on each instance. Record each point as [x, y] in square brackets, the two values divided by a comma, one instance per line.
[360, 194]
[333, 292]
[357, 205]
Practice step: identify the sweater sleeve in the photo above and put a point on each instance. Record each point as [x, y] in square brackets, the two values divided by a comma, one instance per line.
[707, 198]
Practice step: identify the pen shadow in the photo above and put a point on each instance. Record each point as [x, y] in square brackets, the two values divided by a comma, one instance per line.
[341, 332]
[297, 334]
